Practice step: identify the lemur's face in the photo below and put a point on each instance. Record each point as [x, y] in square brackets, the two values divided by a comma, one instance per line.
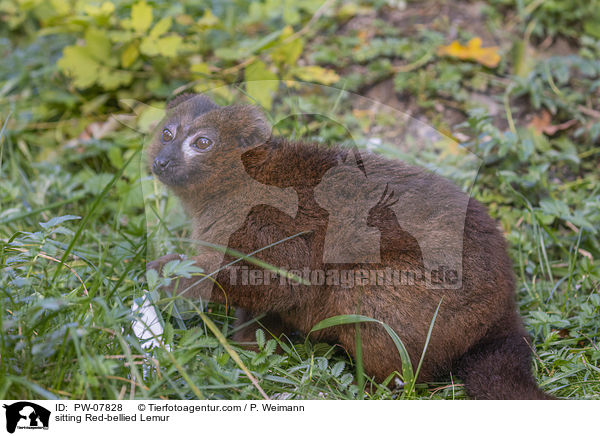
[199, 138]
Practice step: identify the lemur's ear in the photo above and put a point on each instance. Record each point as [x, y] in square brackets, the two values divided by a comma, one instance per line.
[196, 104]
[178, 99]
[251, 123]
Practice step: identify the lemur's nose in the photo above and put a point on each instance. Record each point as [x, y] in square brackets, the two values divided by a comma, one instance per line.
[160, 164]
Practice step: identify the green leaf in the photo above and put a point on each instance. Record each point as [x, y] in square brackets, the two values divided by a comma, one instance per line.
[113, 79]
[260, 338]
[152, 278]
[97, 44]
[169, 45]
[129, 55]
[149, 47]
[77, 63]
[346, 379]
[287, 54]
[258, 359]
[270, 347]
[592, 28]
[229, 53]
[141, 17]
[201, 68]
[115, 156]
[161, 28]
[168, 333]
[53, 222]
[97, 183]
[265, 42]
[290, 13]
[261, 83]
[148, 118]
[208, 19]
[106, 9]
[337, 369]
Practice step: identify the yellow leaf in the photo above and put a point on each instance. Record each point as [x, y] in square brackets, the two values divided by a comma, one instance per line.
[201, 68]
[315, 73]
[287, 54]
[473, 51]
[141, 16]
[129, 55]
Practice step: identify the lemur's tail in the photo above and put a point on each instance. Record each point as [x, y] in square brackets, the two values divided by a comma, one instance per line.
[500, 369]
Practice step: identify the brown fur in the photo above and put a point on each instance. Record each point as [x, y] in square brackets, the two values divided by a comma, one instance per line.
[477, 333]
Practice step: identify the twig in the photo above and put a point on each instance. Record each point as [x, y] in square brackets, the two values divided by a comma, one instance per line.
[452, 385]
[588, 111]
[536, 355]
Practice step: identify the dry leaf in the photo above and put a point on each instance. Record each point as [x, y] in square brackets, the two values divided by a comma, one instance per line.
[317, 74]
[473, 51]
[543, 124]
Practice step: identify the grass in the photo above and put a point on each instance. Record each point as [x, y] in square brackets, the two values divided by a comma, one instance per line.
[74, 232]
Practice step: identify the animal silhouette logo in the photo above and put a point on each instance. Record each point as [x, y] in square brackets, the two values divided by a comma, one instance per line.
[24, 414]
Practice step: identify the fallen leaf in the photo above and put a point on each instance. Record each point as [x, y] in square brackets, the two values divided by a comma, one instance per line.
[473, 51]
[315, 73]
[543, 124]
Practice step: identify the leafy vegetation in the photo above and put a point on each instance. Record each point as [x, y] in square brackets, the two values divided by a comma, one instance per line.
[82, 82]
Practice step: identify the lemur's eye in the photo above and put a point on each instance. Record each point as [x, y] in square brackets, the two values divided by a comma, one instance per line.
[202, 143]
[167, 136]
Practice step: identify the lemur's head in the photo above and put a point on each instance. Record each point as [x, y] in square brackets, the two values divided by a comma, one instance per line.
[199, 138]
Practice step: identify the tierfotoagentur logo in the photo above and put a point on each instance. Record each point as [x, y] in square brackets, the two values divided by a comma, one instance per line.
[344, 278]
[25, 415]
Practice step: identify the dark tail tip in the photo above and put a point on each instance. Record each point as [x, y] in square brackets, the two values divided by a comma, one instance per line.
[500, 369]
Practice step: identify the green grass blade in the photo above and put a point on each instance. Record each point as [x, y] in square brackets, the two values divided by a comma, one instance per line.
[412, 386]
[407, 370]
